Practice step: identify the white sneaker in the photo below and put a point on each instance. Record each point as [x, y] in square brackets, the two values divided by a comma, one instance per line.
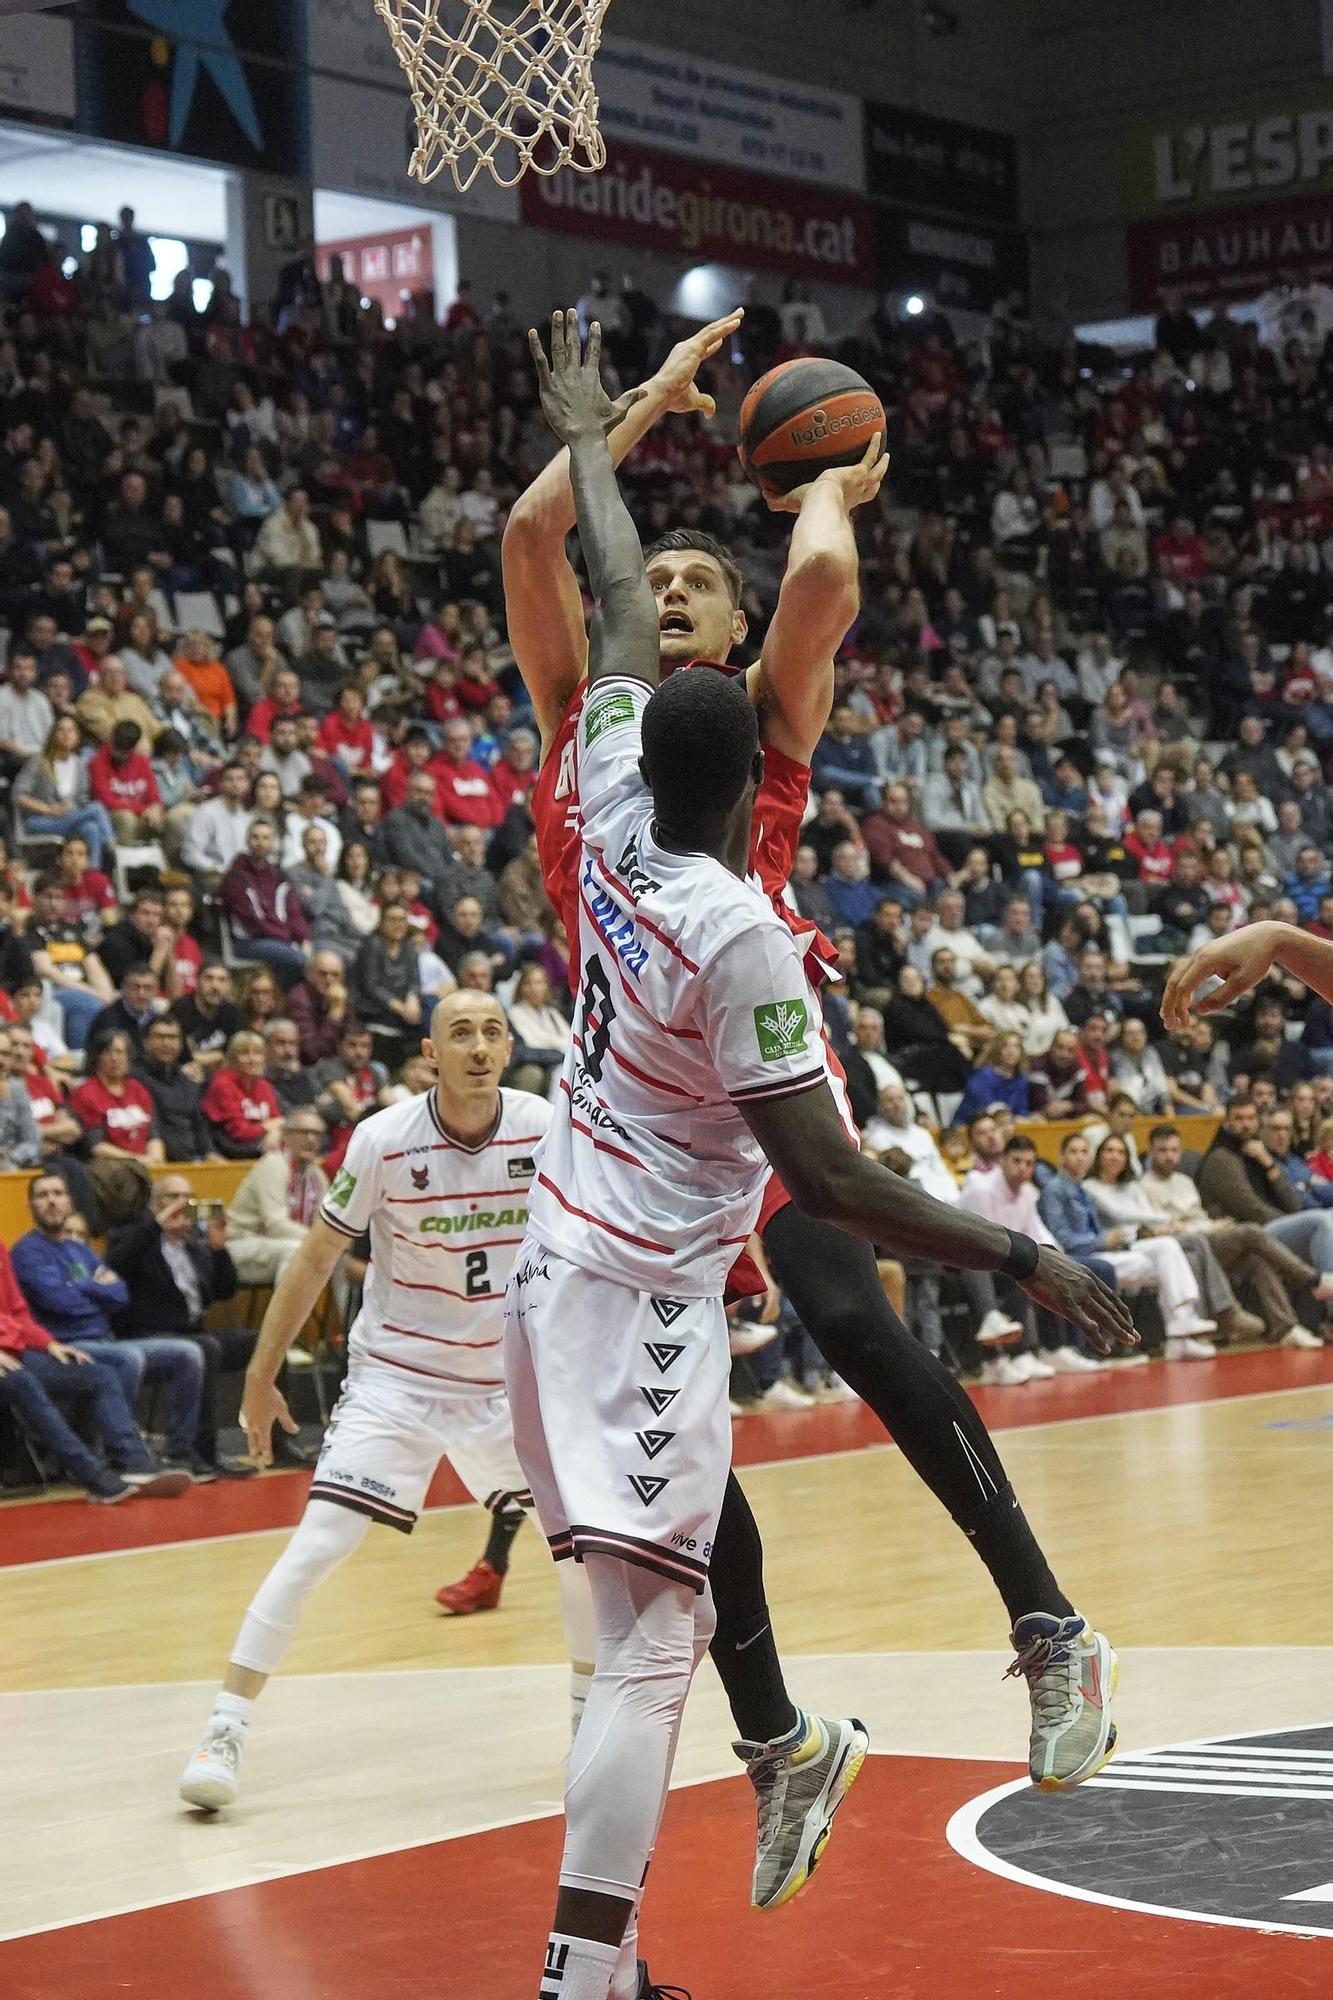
[209, 1779]
[997, 1330]
[835, 1390]
[785, 1395]
[1183, 1347]
[1186, 1323]
[1035, 1367]
[1002, 1373]
[1133, 1358]
[1071, 1361]
[746, 1336]
[1300, 1336]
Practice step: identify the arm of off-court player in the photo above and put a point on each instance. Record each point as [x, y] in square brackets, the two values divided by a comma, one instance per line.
[1240, 961]
[804, 1139]
[817, 605]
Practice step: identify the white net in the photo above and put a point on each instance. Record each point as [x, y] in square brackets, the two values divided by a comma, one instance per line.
[500, 85]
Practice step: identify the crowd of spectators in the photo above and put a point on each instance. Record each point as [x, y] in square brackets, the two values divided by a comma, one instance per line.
[268, 757]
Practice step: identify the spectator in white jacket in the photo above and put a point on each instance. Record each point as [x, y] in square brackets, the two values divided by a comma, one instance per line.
[215, 832]
[289, 539]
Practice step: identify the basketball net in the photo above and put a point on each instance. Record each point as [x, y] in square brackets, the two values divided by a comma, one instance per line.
[504, 85]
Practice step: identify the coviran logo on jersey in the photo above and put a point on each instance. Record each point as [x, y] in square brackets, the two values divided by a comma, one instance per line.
[480, 1218]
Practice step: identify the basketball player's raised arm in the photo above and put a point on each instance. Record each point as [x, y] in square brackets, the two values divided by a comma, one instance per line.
[624, 640]
[803, 1137]
[817, 605]
[1240, 961]
[543, 603]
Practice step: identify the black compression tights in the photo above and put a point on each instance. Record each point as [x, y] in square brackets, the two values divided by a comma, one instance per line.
[834, 1286]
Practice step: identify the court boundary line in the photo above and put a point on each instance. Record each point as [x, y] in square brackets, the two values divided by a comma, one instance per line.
[961, 1834]
[757, 1465]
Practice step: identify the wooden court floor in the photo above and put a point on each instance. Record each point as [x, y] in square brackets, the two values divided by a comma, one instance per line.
[398, 1828]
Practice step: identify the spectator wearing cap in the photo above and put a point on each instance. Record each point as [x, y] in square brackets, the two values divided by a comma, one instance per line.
[467, 796]
[208, 680]
[121, 778]
[264, 909]
[92, 647]
[110, 700]
[26, 716]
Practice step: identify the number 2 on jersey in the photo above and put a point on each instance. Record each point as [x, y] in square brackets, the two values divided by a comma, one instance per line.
[596, 1018]
[478, 1281]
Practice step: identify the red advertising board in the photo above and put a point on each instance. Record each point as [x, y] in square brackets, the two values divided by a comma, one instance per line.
[1231, 252]
[709, 214]
[386, 267]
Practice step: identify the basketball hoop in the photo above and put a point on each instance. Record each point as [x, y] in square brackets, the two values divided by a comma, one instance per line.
[504, 85]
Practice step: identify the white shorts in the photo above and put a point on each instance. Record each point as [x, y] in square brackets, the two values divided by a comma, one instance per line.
[620, 1412]
[385, 1441]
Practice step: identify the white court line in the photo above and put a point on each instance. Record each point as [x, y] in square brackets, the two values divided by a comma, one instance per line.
[1012, 1431]
[961, 1834]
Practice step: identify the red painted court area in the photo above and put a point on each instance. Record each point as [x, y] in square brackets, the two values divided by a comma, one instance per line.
[896, 1915]
[42, 1532]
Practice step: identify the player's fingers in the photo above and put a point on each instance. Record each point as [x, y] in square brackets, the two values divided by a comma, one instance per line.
[538, 354]
[286, 1419]
[1230, 989]
[592, 360]
[703, 404]
[873, 450]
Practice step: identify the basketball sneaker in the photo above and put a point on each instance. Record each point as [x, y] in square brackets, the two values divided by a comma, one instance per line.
[647, 1991]
[1071, 1673]
[799, 1782]
[210, 1778]
[479, 1590]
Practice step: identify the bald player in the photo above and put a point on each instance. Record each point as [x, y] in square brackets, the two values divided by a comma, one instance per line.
[441, 1184]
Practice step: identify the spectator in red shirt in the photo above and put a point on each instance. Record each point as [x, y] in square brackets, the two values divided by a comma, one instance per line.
[121, 778]
[283, 698]
[1151, 854]
[57, 1128]
[442, 702]
[1094, 1062]
[115, 1110]
[89, 899]
[263, 907]
[475, 682]
[1179, 553]
[345, 734]
[516, 773]
[467, 795]
[185, 960]
[902, 850]
[240, 1103]
[416, 754]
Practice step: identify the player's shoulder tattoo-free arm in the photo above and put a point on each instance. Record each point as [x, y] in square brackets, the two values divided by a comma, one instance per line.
[624, 639]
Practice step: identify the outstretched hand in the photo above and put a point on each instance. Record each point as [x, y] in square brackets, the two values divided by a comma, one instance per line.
[855, 483]
[677, 373]
[1072, 1292]
[574, 401]
[1240, 961]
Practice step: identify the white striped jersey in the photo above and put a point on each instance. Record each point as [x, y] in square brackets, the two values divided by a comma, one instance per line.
[693, 999]
[445, 1223]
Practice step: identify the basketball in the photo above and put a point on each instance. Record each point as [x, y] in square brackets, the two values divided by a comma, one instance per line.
[804, 416]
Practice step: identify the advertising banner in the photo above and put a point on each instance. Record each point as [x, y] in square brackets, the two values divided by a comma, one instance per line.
[214, 82]
[37, 67]
[1222, 158]
[683, 208]
[361, 141]
[1230, 253]
[657, 97]
[962, 264]
[348, 38]
[385, 267]
[919, 162]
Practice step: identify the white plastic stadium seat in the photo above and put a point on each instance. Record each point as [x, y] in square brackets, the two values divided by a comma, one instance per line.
[199, 609]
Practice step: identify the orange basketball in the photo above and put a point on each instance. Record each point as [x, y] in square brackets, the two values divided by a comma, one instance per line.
[804, 416]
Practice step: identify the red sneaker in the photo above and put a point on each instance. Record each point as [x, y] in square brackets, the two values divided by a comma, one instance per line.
[479, 1590]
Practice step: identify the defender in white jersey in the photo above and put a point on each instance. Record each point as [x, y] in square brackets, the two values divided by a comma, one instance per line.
[694, 1023]
[441, 1184]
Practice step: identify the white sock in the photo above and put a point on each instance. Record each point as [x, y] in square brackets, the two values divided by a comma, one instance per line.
[577, 1969]
[580, 1680]
[233, 1708]
[625, 1980]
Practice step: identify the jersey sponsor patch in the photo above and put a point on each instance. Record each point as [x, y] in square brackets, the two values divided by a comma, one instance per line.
[522, 1167]
[611, 712]
[344, 1187]
[781, 1028]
